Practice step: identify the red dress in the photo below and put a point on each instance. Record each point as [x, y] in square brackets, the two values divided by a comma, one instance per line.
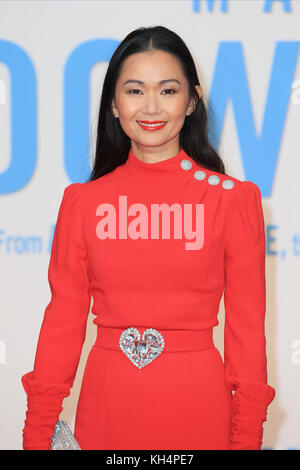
[165, 272]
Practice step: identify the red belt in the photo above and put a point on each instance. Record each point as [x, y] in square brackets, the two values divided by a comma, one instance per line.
[144, 344]
[174, 340]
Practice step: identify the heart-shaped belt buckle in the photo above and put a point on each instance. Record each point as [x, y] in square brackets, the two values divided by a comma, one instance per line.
[141, 352]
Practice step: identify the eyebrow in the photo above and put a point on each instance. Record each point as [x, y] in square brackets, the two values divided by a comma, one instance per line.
[161, 81]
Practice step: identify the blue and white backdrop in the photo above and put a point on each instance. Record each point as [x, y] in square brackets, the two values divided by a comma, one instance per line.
[53, 57]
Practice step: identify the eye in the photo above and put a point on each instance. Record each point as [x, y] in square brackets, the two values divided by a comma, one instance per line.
[135, 89]
[170, 89]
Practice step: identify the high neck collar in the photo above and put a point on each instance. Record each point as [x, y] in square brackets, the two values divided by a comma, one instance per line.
[163, 170]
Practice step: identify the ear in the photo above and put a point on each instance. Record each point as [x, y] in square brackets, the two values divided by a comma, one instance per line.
[199, 90]
[192, 104]
[113, 108]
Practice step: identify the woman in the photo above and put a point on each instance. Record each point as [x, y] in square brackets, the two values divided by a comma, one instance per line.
[168, 388]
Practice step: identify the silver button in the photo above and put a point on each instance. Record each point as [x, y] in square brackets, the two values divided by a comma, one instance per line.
[186, 164]
[228, 184]
[199, 175]
[213, 179]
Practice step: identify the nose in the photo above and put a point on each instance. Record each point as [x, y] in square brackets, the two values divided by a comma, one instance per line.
[151, 104]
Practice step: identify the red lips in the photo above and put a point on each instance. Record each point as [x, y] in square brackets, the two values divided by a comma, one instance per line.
[153, 122]
[157, 125]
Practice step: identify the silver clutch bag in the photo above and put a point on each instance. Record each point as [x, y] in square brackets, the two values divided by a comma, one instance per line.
[63, 438]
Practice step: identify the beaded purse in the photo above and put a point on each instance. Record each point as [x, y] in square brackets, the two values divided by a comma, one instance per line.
[63, 438]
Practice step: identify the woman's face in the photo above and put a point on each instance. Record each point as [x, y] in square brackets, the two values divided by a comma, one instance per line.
[140, 95]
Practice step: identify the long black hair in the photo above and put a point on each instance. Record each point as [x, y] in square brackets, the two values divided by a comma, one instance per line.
[112, 144]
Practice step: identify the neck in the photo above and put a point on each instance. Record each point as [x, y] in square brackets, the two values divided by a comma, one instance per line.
[163, 170]
[155, 154]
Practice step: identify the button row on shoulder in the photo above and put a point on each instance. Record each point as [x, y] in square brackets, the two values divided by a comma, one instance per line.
[201, 175]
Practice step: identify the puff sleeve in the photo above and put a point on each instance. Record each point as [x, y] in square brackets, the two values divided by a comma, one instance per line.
[63, 329]
[245, 359]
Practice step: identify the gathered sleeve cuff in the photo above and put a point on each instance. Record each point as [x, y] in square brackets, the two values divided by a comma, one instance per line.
[44, 405]
[63, 329]
[249, 411]
[245, 358]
